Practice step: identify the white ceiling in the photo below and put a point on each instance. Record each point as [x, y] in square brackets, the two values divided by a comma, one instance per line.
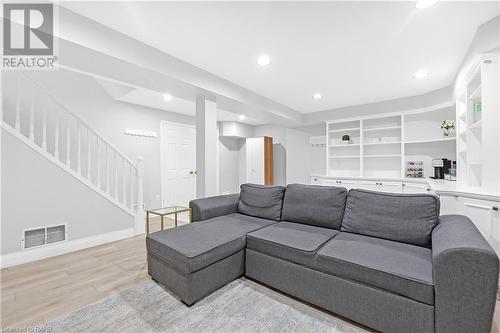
[351, 52]
[153, 99]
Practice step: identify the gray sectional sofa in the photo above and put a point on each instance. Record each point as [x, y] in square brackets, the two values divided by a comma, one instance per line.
[387, 261]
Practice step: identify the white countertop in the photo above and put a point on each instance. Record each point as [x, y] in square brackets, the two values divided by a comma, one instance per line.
[388, 179]
[439, 186]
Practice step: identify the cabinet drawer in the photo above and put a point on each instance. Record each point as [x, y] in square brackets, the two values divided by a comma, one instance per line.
[391, 187]
[449, 205]
[368, 185]
[409, 187]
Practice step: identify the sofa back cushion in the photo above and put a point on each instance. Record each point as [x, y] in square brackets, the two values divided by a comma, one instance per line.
[407, 218]
[261, 201]
[321, 206]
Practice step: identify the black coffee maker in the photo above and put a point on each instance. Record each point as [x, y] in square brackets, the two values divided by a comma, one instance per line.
[441, 167]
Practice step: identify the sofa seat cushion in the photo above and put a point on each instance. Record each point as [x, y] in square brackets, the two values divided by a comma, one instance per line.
[407, 218]
[290, 241]
[399, 268]
[321, 206]
[194, 246]
[261, 201]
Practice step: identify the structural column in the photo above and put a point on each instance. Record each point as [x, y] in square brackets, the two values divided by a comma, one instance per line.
[206, 147]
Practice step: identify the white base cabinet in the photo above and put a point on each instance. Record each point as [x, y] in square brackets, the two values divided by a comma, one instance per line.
[348, 184]
[383, 185]
[484, 214]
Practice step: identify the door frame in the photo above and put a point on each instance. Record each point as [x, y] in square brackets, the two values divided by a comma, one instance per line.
[162, 157]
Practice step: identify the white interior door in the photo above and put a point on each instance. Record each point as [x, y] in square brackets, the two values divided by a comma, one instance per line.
[178, 158]
[255, 160]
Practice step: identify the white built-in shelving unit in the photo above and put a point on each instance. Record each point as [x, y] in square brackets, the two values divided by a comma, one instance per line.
[382, 145]
[478, 125]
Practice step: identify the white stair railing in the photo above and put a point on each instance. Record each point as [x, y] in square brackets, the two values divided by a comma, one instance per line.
[38, 119]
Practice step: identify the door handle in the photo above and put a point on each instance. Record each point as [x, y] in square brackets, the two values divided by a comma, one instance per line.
[479, 206]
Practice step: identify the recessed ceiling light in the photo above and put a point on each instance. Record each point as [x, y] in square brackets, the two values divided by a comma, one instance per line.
[242, 117]
[167, 97]
[420, 74]
[264, 60]
[424, 3]
[317, 96]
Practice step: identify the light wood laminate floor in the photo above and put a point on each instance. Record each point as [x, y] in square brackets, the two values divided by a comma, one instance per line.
[37, 292]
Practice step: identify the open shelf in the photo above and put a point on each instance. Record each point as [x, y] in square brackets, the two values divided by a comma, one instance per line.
[476, 94]
[345, 145]
[388, 155]
[382, 128]
[381, 143]
[383, 147]
[450, 139]
[344, 130]
[476, 124]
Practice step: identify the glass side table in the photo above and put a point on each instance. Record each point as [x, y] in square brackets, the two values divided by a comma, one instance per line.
[162, 212]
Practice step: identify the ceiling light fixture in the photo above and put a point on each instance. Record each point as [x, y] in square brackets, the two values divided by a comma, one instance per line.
[167, 97]
[242, 117]
[317, 96]
[424, 4]
[264, 60]
[420, 74]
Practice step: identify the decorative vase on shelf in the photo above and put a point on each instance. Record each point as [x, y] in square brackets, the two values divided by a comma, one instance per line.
[448, 127]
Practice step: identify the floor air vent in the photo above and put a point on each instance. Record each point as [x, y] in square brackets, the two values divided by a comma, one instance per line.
[44, 236]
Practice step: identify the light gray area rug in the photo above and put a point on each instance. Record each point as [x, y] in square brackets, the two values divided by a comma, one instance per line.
[241, 306]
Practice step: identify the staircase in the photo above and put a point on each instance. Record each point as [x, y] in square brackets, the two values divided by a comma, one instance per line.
[36, 118]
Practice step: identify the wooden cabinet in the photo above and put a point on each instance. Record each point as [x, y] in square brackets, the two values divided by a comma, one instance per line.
[259, 160]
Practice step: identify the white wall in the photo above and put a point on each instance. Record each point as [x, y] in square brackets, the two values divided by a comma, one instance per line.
[84, 96]
[486, 40]
[37, 193]
[229, 155]
[298, 157]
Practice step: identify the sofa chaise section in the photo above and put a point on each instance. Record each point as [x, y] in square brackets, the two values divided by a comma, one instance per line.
[196, 259]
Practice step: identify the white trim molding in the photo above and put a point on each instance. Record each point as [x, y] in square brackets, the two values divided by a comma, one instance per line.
[139, 132]
[29, 255]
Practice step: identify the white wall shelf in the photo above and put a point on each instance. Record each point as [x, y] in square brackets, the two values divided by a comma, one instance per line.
[476, 124]
[451, 139]
[388, 155]
[381, 143]
[388, 128]
[345, 156]
[345, 130]
[478, 109]
[384, 144]
[345, 145]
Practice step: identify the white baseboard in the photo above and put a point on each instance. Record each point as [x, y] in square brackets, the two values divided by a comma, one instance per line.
[17, 258]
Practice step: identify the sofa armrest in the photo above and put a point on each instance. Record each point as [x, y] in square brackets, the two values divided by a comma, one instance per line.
[207, 208]
[465, 272]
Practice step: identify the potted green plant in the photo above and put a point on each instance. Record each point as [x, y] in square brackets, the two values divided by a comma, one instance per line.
[448, 126]
[346, 139]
